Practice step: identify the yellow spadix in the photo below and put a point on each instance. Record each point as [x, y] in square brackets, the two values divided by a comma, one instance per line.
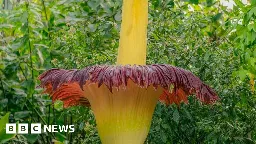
[133, 35]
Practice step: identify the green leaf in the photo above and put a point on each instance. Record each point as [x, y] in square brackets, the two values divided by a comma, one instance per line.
[164, 138]
[3, 136]
[254, 53]
[217, 17]
[94, 3]
[4, 102]
[3, 121]
[58, 105]
[209, 3]
[242, 74]
[40, 55]
[239, 3]
[253, 2]
[176, 116]
[252, 62]
[60, 137]
[92, 27]
[11, 70]
[165, 126]
[254, 27]
[1, 1]
[194, 1]
[59, 54]
[118, 16]
[188, 114]
[32, 137]
[251, 12]
[6, 26]
[29, 85]
[250, 27]
[247, 55]
[21, 114]
[57, 142]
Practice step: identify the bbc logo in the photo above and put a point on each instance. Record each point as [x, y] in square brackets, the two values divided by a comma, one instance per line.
[23, 128]
[36, 128]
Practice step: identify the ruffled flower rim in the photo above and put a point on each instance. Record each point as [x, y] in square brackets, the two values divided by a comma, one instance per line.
[178, 83]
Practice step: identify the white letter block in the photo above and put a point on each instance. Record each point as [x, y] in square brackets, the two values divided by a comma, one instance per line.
[35, 128]
[22, 128]
[10, 128]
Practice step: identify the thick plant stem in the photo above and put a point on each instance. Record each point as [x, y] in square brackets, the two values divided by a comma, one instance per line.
[133, 35]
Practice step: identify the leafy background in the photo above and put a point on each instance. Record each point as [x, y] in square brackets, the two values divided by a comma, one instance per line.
[215, 42]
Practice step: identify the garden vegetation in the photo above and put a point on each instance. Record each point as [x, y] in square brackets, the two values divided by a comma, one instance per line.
[214, 41]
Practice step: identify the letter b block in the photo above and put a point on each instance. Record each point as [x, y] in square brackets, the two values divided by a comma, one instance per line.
[22, 128]
[11, 128]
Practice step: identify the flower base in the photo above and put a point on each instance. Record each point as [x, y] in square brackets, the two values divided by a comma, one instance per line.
[123, 116]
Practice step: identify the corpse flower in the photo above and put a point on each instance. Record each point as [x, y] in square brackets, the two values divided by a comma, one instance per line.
[123, 96]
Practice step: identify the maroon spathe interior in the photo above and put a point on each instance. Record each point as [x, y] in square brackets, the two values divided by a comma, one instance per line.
[67, 85]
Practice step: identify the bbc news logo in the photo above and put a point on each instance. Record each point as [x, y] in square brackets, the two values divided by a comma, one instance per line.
[36, 128]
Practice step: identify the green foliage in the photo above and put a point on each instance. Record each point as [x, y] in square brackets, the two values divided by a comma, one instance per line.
[215, 43]
[5, 137]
